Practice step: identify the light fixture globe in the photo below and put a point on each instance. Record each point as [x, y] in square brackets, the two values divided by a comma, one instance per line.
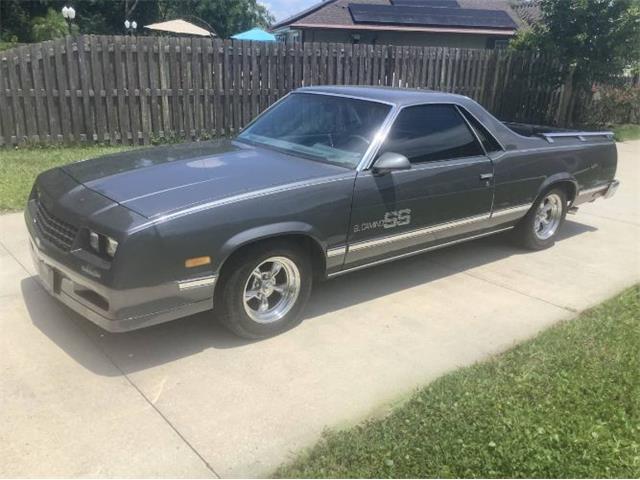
[134, 24]
[65, 11]
[127, 24]
[72, 13]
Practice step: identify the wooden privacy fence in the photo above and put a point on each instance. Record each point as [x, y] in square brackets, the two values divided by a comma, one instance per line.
[141, 89]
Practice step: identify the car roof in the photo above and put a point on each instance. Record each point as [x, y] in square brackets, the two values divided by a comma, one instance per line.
[395, 96]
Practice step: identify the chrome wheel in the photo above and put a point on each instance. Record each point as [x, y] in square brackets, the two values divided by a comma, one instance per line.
[271, 290]
[548, 216]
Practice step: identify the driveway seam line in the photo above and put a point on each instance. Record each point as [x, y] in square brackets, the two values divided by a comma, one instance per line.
[611, 219]
[146, 399]
[167, 421]
[15, 259]
[568, 309]
[108, 357]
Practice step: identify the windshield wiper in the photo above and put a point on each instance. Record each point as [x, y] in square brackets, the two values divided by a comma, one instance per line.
[289, 151]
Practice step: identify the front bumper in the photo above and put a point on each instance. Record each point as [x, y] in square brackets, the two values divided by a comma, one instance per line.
[96, 302]
[67, 278]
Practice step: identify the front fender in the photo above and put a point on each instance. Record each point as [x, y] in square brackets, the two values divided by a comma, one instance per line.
[265, 232]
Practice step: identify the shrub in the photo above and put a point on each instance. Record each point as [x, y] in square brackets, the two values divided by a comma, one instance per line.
[610, 105]
[52, 25]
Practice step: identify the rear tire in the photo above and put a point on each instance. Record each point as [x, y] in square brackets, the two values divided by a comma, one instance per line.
[539, 228]
[264, 289]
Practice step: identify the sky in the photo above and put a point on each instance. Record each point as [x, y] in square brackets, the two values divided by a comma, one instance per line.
[285, 8]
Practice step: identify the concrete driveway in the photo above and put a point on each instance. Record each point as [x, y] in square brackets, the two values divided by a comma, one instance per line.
[187, 399]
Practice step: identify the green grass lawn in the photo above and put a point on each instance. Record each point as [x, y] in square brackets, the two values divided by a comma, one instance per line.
[627, 132]
[19, 168]
[566, 404]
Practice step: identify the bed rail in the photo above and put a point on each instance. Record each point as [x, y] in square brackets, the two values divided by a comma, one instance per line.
[582, 136]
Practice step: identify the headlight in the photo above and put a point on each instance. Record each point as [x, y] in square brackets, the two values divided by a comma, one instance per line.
[94, 241]
[111, 247]
[102, 244]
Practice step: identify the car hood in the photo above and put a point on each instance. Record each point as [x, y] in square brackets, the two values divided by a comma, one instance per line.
[160, 180]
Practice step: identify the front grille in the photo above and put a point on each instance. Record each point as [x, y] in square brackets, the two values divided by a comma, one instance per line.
[58, 232]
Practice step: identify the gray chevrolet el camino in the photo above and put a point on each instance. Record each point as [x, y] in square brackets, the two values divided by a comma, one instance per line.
[327, 181]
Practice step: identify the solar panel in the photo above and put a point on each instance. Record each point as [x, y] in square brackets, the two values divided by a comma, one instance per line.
[426, 3]
[430, 16]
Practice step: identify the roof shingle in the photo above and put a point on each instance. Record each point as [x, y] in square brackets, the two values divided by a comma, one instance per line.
[336, 12]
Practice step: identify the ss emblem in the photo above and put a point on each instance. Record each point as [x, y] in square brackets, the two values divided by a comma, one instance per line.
[397, 218]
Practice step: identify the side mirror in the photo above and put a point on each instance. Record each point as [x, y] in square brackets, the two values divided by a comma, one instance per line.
[389, 162]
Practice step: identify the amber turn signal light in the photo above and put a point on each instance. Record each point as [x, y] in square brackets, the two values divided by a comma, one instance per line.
[197, 262]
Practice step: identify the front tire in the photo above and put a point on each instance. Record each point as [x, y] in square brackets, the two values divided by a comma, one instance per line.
[265, 290]
[539, 228]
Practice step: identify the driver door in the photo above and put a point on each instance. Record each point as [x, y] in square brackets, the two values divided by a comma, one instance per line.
[447, 192]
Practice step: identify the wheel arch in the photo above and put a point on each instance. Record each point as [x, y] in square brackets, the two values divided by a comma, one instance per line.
[296, 232]
[565, 181]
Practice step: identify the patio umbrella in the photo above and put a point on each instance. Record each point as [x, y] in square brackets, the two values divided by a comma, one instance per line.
[180, 26]
[256, 35]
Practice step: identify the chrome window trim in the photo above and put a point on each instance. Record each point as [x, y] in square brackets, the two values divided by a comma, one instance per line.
[461, 107]
[462, 161]
[416, 252]
[399, 108]
[378, 139]
[472, 130]
[343, 95]
[354, 247]
[373, 144]
[255, 119]
[498, 156]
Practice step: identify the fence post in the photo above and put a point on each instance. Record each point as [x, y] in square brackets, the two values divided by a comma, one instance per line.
[562, 114]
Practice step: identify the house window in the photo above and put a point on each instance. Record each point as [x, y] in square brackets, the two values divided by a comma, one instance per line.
[501, 44]
[294, 36]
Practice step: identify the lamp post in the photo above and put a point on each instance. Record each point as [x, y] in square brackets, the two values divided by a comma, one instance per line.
[130, 26]
[68, 13]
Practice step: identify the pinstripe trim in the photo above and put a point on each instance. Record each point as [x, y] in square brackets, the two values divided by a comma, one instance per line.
[512, 210]
[336, 252]
[438, 228]
[239, 198]
[198, 282]
[416, 252]
[416, 233]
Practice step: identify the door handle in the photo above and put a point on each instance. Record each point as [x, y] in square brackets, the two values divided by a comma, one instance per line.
[486, 176]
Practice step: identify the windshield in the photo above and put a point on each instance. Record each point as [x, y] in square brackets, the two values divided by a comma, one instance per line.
[327, 128]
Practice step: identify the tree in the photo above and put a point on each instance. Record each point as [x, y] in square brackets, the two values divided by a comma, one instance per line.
[15, 20]
[92, 16]
[226, 17]
[50, 26]
[599, 39]
[107, 17]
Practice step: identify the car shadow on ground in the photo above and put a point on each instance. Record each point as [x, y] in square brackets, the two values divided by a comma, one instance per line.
[157, 345]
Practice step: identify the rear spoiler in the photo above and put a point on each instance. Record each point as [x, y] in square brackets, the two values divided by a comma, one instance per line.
[582, 136]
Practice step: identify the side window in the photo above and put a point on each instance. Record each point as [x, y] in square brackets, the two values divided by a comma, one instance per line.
[428, 133]
[489, 143]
